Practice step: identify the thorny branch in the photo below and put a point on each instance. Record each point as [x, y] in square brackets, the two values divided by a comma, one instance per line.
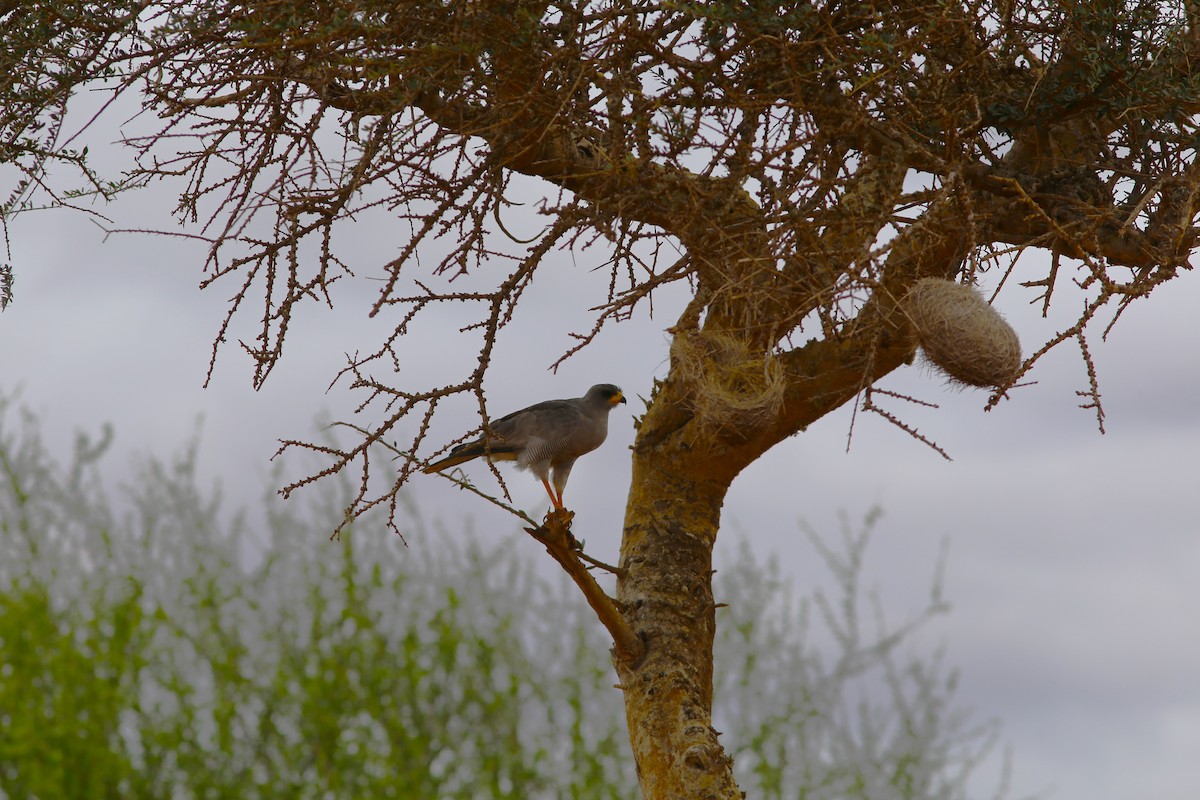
[801, 163]
[868, 404]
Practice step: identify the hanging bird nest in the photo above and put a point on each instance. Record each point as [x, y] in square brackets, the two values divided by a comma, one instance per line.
[735, 388]
[961, 334]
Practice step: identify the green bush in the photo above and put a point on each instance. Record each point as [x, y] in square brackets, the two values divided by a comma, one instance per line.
[152, 645]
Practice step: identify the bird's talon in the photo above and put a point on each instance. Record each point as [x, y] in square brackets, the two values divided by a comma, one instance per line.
[560, 516]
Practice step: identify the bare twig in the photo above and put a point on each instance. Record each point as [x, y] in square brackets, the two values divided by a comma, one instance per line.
[869, 405]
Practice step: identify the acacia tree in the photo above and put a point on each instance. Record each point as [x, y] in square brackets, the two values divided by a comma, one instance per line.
[810, 162]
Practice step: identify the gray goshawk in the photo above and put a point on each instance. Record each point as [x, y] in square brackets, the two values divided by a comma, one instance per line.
[545, 438]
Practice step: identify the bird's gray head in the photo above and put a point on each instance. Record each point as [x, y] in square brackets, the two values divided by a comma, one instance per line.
[605, 395]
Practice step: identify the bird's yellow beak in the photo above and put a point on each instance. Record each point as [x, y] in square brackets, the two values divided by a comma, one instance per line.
[616, 398]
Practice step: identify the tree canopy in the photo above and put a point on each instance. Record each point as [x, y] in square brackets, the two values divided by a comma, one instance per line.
[800, 164]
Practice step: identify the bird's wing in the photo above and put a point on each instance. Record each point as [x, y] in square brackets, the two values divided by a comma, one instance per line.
[543, 432]
[536, 415]
[538, 429]
[563, 432]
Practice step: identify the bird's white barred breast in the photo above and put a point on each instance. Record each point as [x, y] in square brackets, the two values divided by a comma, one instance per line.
[540, 451]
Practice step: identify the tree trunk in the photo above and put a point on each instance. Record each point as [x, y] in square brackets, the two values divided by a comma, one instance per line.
[665, 592]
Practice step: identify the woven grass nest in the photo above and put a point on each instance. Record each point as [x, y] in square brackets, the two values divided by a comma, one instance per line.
[734, 387]
[961, 334]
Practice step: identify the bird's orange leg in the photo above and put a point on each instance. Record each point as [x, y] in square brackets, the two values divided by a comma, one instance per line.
[555, 500]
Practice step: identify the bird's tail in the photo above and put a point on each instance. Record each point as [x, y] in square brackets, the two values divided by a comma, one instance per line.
[465, 452]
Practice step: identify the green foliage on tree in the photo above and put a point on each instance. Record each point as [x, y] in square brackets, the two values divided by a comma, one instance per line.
[51, 51]
[153, 644]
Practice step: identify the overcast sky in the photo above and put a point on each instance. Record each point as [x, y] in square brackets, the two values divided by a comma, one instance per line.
[1074, 566]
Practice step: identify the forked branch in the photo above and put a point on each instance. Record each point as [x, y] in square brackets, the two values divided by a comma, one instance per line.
[555, 535]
